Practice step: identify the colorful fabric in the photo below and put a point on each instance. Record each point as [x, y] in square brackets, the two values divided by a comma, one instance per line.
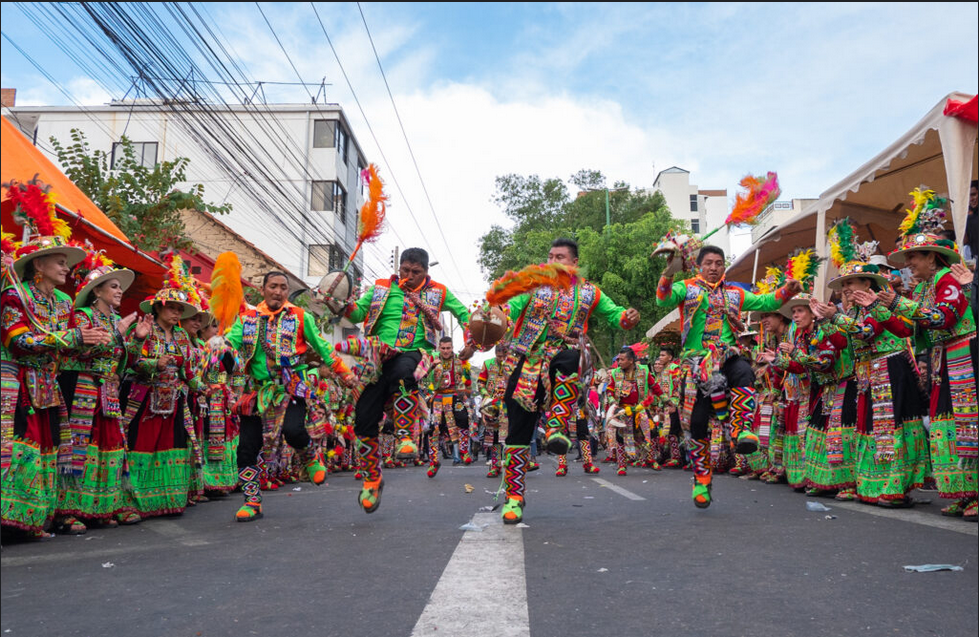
[742, 407]
[564, 399]
[370, 458]
[965, 410]
[160, 481]
[516, 459]
[699, 453]
[250, 487]
[29, 488]
[221, 469]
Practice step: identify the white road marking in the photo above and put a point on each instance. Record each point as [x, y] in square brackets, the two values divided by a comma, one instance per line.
[487, 566]
[618, 489]
[912, 516]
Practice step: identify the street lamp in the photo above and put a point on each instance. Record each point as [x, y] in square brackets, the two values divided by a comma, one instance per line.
[608, 209]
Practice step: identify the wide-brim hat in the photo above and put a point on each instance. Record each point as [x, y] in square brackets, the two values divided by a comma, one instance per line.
[170, 295]
[858, 270]
[924, 242]
[799, 299]
[99, 276]
[41, 246]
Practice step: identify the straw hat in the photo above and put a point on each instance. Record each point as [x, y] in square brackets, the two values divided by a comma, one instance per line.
[91, 279]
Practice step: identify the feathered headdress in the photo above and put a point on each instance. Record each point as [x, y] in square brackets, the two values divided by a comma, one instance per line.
[926, 215]
[512, 283]
[803, 266]
[93, 260]
[9, 243]
[842, 242]
[639, 349]
[227, 294]
[34, 207]
[759, 193]
[773, 280]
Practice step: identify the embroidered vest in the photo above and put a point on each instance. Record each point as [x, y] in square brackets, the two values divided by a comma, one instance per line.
[641, 380]
[719, 300]
[432, 295]
[565, 313]
[278, 336]
[54, 317]
[449, 377]
[493, 369]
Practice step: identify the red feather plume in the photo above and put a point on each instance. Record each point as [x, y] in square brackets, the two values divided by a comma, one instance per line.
[512, 283]
[759, 194]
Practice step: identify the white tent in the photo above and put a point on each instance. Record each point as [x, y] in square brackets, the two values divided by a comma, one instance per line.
[939, 151]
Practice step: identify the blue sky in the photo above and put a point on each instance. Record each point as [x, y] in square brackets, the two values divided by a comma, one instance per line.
[812, 91]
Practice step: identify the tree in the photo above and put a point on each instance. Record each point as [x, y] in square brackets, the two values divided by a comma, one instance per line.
[616, 258]
[144, 202]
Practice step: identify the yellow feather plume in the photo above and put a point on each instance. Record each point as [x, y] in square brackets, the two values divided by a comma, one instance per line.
[800, 264]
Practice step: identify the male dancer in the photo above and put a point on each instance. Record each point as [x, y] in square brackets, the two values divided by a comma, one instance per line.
[402, 313]
[633, 388]
[272, 340]
[451, 383]
[708, 305]
[494, 419]
[542, 367]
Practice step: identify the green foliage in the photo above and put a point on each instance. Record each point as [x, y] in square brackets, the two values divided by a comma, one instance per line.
[615, 258]
[144, 202]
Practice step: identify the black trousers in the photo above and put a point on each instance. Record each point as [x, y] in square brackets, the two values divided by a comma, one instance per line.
[738, 372]
[522, 422]
[293, 430]
[461, 415]
[370, 407]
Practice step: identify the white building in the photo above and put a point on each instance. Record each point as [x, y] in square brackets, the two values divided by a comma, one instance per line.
[290, 171]
[704, 210]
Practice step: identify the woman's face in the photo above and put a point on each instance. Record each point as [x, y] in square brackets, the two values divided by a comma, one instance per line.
[192, 324]
[921, 263]
[169, 315]
[53, 268]
[852, 285]
[109, 292]
[209, 332]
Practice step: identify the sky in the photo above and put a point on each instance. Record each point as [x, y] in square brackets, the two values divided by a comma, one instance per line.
[722, 90]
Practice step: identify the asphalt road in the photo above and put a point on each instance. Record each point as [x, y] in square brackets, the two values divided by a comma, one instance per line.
[623, 556]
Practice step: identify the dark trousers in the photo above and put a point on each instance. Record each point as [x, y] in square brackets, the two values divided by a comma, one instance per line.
[370, 407]
[293, 429]
[522, 422]
[738, 373]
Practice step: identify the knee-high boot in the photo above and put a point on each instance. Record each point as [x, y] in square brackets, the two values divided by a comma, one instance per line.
[370, 494]
[564, 398]
[516, 459]
[700, 459]
[406, 412]
[586, 462]
[252, 508]
[742, 409]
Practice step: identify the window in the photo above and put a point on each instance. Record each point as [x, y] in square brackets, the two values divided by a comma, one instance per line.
[145, 153]
[693, 203]
[695, 226]
[361, 167]
[329, 195]
[340, 202]
[341, 140]
[324, 258]
[319, 200]
[324, 133]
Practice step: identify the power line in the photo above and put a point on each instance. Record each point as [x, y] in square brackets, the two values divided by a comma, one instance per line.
[405, 134]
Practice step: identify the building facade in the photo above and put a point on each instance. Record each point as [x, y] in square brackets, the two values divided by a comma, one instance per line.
[290, 171]
[704, 210]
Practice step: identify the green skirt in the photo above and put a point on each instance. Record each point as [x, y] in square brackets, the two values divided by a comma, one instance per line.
[892, 479]
[102, 491]
[160, 480]
[222, 475]
[30, 495]
[953, 480]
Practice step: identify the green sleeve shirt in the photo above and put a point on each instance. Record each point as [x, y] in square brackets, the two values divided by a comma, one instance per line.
[389, 322]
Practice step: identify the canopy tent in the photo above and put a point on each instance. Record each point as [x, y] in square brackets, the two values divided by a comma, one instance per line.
[939, 151]
[669, 323]
[20, 160]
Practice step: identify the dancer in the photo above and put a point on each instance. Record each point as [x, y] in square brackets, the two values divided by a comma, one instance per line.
[716, 375]
[450, 381]
[543, 363]
[633, 389]
[491, 410]
[271, 341]
[402, 314]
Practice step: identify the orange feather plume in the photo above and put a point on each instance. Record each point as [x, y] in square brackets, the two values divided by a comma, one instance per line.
[227, 294]
[512, 283]
[374, 210]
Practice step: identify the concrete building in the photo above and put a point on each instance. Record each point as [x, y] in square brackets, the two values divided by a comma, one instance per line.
[704, 210]
[775, 214]
[290, 171]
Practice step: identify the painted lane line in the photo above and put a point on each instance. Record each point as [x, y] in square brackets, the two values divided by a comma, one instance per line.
[483, 589]
[618, 489]
[914, 517]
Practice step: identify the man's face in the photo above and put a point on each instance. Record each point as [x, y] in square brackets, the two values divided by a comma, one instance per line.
[275, 292]
[501, 353]
[712, 267]
[625, 362]
[657, 366]
[412, 274]
[562, 255]
[802, 316]
[664, 358]
[973, 197]
[445, 351]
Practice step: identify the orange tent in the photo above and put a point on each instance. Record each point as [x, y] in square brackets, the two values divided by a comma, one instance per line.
[21, 160]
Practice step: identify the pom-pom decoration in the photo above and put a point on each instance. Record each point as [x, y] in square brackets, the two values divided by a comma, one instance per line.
[513, 284]
[759, 193]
